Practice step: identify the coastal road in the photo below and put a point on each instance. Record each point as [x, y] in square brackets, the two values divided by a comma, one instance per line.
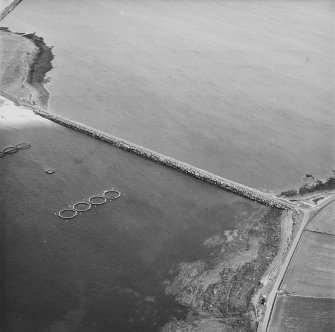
[272, 296]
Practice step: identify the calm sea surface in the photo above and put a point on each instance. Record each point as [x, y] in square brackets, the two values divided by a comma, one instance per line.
[244, 89]
[107, 269]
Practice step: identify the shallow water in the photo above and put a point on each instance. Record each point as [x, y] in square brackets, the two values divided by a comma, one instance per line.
[106, 270]
[243, 89]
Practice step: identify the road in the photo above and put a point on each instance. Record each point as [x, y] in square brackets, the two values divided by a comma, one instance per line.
[272, 296]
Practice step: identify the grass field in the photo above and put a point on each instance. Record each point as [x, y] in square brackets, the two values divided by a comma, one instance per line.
[324, 222]
[294, 313]
[311, 272]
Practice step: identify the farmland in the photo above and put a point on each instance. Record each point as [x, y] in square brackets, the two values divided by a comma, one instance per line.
[324, 221]
[295, 313]
[311, 270]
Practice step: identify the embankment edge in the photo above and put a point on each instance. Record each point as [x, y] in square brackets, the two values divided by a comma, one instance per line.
[8, 9]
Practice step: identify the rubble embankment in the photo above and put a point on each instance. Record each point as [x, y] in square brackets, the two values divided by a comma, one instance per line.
[198, 173]
[41, 63]
[224, 293]
[8, 9]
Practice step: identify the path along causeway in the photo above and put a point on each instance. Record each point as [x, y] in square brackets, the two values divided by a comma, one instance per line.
[232, 186]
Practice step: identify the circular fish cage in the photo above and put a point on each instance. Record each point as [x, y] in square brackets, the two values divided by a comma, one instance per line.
[111, 194]
[97, 200]
[63, 213]
[76, 205]
[23, 146]
[10, 150]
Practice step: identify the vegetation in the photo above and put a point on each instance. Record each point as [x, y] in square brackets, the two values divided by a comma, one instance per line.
[315, 185]
[289, 193]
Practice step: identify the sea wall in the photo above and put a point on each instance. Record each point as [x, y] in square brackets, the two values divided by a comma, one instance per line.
[37, 73]
[180, 166]
[237, 188]
[8, 9]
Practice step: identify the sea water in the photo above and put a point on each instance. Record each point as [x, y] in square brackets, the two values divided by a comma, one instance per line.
[105, 269]
[243, 89]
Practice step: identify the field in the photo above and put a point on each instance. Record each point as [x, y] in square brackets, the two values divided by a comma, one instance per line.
[14, 57]
[294, 313]
[324, 222]
[311, 272]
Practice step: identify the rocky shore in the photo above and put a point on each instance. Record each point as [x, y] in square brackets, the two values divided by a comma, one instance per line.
[40, 65]
[220, 293]
[218, 289]
[312, 185]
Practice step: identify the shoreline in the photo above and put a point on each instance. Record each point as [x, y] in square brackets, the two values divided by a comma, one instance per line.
[224, 300]
[39, 62]
[254, 314]
[235, 300]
